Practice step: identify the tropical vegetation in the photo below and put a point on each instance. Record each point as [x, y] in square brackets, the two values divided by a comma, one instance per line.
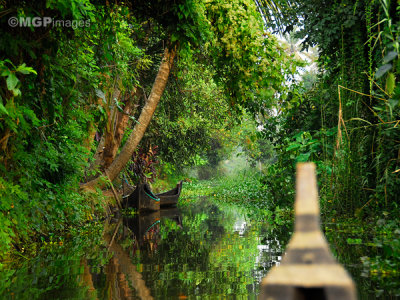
[157, 91]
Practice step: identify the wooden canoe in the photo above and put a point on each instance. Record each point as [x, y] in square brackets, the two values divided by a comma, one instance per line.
[143, 199]
[171, 197]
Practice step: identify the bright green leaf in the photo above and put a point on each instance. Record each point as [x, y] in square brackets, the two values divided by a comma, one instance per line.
[12, 81]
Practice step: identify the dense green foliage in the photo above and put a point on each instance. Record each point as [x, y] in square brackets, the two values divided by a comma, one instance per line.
[57, 270]
[344, 116]
[43, 126]
[63, 84]
[346, 120]
[184, 125]
[235, 98]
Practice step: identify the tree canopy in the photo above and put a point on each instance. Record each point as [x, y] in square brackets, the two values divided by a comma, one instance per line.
[69, 89]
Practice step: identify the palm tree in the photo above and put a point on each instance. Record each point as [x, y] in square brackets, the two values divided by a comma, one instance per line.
[292, 44]
[144, 120]
[274, 13]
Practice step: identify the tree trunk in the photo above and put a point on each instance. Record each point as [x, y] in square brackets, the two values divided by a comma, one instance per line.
[88, 141]
[144, 119]
[98, 158]
[121, 123]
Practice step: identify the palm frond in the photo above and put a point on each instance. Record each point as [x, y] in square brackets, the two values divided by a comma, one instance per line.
[274, 13]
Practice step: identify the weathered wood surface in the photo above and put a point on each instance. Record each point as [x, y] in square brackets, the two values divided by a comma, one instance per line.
[170, 198]
[143, 199]
[308, 270]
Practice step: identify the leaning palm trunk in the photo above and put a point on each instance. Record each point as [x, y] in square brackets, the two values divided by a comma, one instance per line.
[140, 128]
[121, 123]
[98, 158]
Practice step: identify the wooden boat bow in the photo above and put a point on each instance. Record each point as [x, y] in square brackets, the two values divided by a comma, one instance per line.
[308, 269]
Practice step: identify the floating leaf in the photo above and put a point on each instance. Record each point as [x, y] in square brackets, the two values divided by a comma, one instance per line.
[382, 70]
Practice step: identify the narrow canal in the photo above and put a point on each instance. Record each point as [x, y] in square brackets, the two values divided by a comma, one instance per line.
[201, 250]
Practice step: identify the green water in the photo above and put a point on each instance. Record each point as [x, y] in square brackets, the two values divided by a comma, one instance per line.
[200, 251]
[351, 246]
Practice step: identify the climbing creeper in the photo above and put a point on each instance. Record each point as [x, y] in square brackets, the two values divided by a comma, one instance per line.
[368, 17]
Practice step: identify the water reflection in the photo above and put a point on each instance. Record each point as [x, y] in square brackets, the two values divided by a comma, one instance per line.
[369, 286]
[123, 281]
[203, 250]
[200, 251]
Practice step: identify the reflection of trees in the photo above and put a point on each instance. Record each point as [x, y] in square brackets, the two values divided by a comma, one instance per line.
[347, 254]
[120, 279]
[58, 271]
[146, 230]
[205, 257]
[65, 273]
[116, 284]
[87, 281]
[199, 254]
[122, 274]
[235, 256]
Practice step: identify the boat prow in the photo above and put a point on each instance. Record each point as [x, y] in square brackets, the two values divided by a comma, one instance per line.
[170, 198]
[143, 199]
